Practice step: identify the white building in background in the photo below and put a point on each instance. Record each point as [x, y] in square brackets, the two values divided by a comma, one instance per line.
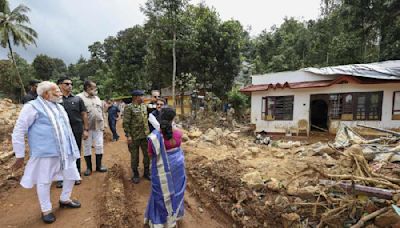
[353, 94]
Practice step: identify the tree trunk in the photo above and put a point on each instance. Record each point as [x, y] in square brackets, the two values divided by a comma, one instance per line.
[173, 67]
[16, 68]
[182, 106]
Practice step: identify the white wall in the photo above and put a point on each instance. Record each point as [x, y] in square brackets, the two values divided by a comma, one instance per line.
[301, 105]
[289, 76]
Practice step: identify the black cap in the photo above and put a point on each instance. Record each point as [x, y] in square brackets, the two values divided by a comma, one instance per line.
[137, 93]
[34, 81]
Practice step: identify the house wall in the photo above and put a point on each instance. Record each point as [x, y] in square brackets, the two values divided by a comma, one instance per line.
[301, 106]
[289, 76]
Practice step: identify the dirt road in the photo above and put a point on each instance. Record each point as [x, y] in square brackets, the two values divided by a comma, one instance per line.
[108, 200]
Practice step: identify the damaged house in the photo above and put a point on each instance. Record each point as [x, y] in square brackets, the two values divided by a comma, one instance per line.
[323, 98]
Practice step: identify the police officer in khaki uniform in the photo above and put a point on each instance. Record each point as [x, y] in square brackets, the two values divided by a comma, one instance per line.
[136, 130]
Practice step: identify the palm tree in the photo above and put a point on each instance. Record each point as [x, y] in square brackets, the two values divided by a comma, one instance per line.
[13, 27]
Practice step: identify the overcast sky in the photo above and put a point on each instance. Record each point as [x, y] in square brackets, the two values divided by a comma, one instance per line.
[67, 27]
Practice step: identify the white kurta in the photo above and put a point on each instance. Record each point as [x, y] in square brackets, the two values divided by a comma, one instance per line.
[40, 170]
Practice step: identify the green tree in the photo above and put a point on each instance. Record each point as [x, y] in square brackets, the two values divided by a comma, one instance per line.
[48, 68]
[169, 14]
[13, 27]
[128, 60]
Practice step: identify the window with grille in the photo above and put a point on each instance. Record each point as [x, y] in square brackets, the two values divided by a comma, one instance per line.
[368, 106]
[277, 108]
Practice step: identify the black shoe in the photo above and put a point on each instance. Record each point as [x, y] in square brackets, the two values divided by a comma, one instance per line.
[59, 184]
[49, 218]
[70, 204]
[99, 167]
[87, 172]
[135, 180]
[78, 182]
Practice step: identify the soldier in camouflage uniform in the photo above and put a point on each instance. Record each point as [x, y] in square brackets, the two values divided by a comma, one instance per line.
[136, 130]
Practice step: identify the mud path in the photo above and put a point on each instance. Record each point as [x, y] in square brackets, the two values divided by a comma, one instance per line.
[108, 200]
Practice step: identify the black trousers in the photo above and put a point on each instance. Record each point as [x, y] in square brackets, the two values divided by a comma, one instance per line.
[78, 131]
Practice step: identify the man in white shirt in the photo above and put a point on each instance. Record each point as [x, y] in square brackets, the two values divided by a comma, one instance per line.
[94, 108]
[52, 146]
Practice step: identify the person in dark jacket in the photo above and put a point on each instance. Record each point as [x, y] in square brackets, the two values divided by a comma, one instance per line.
[113, 115]
[154, 122]
[77, 115]
[32, 94]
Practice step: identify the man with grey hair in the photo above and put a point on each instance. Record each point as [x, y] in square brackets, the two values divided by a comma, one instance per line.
[52, 146]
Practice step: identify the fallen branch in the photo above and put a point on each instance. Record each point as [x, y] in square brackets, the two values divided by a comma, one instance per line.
[351, 177]
[365, 219]
[369, 191]
[319, 128]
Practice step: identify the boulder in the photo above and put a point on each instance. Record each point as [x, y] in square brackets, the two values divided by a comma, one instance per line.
[282, 201]
[218, 131]
[253, 179]
[274, 185]
[233, 136]
[232, 144]
[323, 149]
[185, 138]
[285, 145]
[254, 150]
[195, 134]
[226, 133]
[279, 154]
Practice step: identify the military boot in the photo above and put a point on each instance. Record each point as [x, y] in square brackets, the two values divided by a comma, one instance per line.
[99, 167]
[88, 160]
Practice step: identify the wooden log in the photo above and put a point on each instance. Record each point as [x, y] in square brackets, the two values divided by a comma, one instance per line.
[352, 177]
[369, 191]
[381, 130]
[319, 128]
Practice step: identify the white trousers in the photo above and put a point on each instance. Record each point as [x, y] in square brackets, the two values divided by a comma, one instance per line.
[43, 192]
[96, 138]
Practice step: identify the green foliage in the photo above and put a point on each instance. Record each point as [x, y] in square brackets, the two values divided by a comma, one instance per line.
[348, 32]
[238, 101]
[48, 68]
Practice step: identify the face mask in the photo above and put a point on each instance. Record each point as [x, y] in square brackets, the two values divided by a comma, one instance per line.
[93, 92]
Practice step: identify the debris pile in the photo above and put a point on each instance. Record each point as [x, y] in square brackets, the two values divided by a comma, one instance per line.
[8, 116]
[351, 182]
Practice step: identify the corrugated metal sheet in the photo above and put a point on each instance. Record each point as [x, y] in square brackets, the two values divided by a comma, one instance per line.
[388, 70]
[322, 83]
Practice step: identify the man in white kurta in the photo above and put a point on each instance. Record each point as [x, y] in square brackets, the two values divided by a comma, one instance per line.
[52, 147]
[94, 107]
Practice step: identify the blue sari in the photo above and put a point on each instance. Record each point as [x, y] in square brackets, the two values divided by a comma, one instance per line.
[168, 184]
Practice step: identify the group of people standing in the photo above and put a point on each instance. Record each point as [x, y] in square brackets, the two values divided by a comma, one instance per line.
[56, 122]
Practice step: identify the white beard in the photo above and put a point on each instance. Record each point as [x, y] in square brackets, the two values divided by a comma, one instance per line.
[57, 100]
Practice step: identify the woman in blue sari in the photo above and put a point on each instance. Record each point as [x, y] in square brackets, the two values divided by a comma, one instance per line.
[168, 178]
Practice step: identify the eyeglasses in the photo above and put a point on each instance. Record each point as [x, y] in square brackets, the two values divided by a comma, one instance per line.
[67, 83]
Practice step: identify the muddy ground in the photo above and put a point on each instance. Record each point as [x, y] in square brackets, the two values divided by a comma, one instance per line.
[108, 199]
